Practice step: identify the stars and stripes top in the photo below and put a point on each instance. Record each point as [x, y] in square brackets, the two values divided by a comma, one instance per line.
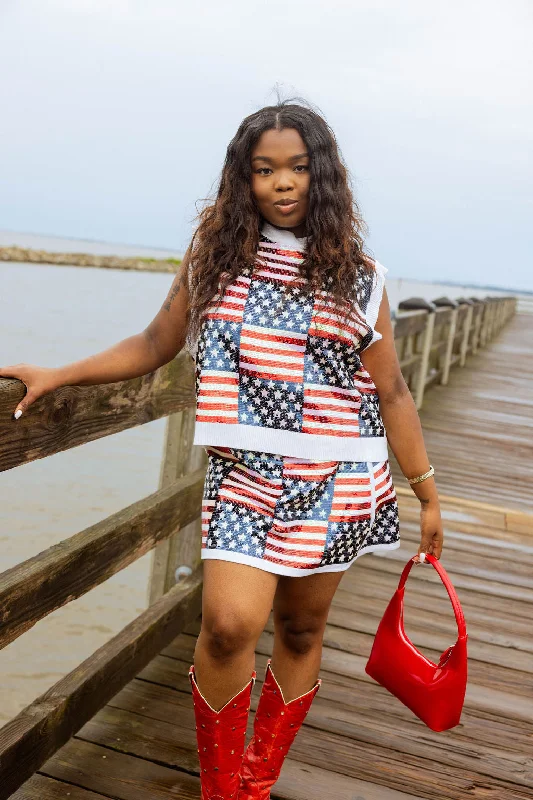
[278, 371]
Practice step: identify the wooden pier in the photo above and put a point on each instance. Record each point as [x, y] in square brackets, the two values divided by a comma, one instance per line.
[121, 725]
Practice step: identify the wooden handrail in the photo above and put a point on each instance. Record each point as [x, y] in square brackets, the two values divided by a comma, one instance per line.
[49, 580]
[74, 415]
[35, 734]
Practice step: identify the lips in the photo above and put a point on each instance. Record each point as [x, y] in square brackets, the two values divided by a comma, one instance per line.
[286, 206]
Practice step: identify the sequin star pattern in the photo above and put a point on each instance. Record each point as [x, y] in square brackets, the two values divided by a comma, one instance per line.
[275, 355]
[293, 516]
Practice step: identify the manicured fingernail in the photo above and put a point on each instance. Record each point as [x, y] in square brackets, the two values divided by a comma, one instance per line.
[17, 414]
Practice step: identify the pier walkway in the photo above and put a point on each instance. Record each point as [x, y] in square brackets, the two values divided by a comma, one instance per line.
[358, 741]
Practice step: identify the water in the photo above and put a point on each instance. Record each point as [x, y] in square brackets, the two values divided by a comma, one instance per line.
[51, 315]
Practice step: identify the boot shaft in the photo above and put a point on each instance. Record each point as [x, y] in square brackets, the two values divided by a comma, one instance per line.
[220, 736]
[275, 727]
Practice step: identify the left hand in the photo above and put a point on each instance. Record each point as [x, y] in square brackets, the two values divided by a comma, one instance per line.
[431, 533]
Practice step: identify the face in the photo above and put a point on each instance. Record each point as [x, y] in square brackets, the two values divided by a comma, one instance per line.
[280, 179]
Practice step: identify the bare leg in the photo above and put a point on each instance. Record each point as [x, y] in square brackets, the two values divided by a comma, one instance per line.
[236, 603]
[301, 608]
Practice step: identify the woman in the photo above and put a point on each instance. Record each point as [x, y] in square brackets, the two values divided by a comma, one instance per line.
[297, 382]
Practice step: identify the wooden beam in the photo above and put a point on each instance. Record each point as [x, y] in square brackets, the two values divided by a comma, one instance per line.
[408, 322]
[424, 361]
[74, 415]
[35, 734]
[183, 549]
[449, 348]
[31, 590]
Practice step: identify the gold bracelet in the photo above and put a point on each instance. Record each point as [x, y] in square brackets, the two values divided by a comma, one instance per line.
[423, 477]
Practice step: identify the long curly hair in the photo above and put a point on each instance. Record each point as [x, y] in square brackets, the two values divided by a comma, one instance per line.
[227, 236]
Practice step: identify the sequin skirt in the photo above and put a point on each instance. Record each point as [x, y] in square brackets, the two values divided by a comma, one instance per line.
[294, 516]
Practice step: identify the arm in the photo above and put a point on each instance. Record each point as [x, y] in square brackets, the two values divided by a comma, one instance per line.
[402, 423]
[136, 355]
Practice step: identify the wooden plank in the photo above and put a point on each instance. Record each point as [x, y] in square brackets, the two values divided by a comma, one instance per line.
[119, 776]
[183, 547]
[409, 322]
[172, 743]
[368, 716]
[40, 787]
[41, 728]
[423, 369]
[74, 415]
[477, 432]
[31, 590]
[300, 780]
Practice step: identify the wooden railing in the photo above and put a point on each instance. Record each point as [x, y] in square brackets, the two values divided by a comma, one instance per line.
[429, 343]
[439, 335]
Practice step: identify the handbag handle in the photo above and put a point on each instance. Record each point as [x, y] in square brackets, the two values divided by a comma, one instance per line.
[458, 611]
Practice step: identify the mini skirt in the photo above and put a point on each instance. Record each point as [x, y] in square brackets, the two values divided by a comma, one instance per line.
[294, 516]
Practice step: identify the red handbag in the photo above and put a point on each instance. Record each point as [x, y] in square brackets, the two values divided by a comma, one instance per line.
[434, 692]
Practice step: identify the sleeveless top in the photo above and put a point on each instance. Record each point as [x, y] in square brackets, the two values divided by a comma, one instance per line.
[278, 371]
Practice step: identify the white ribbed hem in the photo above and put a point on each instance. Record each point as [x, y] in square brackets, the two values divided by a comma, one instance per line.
[280, 569]
[290, 443]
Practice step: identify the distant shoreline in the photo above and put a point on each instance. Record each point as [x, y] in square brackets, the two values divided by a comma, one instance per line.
[29, 255]
[169, 265]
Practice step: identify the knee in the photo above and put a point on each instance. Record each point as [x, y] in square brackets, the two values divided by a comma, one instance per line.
[303, 633]
[227, 634]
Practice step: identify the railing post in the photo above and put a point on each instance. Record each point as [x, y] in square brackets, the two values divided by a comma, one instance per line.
[182, 549]
[484, 324]
[449, 347]
[477, 327]
[418, 303]
[446, 302]
[466, 333]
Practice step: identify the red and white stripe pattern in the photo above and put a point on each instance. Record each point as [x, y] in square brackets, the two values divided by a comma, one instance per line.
[383, 485]
[233, 302]
[218, 397]
[330, 410]
[329, 324]
[296, 543]
[299, 543]
[352, 497]
[272, 354]
[276, 264]
[254, 494]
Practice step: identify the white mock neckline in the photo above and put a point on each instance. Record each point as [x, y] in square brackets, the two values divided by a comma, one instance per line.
[283, 237]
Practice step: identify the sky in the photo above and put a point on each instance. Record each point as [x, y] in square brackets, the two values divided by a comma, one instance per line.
[116, 117]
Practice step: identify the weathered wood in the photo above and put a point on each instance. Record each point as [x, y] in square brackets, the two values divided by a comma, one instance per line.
[41, 728]
[478, 428]
[449, 348]
[74, 415]
[409, 322]
[424, 361]
[40, 787]
[31, 590]
[466, 333]
[180, 457]
[120, 776]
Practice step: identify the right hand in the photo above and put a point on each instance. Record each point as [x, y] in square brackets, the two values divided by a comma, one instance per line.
[38, 380]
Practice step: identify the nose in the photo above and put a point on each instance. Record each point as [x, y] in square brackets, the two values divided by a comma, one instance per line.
[284, 181]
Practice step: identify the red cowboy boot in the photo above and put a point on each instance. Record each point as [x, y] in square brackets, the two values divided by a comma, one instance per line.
[275, 727]
[220, 736]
